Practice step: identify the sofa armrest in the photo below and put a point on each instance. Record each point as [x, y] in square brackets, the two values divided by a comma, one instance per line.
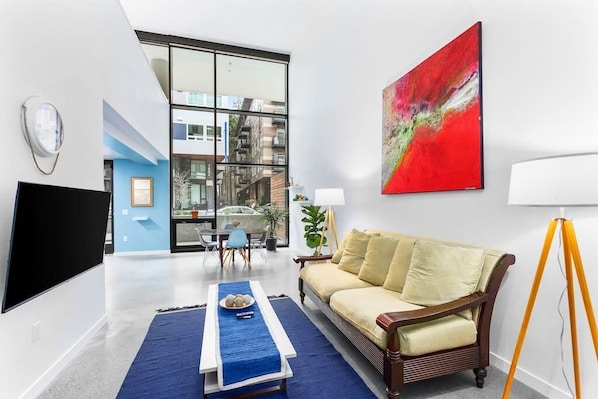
[306, 259]
[392, 320]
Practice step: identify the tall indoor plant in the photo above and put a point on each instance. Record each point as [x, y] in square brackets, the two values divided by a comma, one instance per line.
[313, 220]
[273, 216]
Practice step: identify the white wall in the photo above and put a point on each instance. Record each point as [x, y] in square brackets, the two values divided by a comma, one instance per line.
[539, 94]
[65, 51]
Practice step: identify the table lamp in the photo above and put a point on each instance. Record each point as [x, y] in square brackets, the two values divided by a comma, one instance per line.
[329, 197]
[559, 181]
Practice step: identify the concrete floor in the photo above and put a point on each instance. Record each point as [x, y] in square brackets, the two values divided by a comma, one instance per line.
[136, 286]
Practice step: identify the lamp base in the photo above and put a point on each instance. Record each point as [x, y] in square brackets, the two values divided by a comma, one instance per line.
[571, 254]
[330, 227]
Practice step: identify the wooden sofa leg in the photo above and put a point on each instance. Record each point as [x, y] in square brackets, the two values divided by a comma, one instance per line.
[480, 374]
[301, 293]
[393, 374]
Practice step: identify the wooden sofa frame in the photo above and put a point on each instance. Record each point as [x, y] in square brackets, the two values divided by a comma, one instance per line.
[398, 370]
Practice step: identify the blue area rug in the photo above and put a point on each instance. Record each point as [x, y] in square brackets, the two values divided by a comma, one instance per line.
[167, 363]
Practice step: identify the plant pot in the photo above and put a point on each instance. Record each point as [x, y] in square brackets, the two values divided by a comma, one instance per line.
[271, 243]
[194, 214]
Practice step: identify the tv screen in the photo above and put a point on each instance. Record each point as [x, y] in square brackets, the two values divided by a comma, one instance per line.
[57, 233]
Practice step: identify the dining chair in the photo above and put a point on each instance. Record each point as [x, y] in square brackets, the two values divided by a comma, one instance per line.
[228, 227]
[258, 245]
[210, 247]
[237, 241]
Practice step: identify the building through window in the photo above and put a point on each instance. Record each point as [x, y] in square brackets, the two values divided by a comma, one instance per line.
[228, 156]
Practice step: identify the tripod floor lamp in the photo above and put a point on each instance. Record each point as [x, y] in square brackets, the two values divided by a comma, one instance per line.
[561, 181]
[329, 197]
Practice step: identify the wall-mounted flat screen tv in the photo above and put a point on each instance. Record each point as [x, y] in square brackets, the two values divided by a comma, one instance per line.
[57, 233]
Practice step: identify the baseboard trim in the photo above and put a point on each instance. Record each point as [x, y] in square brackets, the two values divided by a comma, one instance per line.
[527, 378]
[44, 380]
[142, 253]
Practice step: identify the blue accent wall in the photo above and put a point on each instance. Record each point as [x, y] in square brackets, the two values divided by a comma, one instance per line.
[152, 234]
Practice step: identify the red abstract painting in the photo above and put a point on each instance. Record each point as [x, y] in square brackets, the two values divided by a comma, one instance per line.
[432, 128]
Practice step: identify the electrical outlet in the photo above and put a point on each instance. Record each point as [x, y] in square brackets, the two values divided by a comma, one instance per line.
[36, 331]
[125, 212]
[125, 238]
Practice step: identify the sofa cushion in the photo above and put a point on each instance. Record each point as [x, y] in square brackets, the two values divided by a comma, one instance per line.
[354, 252]
[361, 306]
[399, 265]
[326, 278]
[440, 273]
[341, 248]
[377, 259]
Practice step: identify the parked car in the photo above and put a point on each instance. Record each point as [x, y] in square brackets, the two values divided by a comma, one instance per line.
[237, 210]
[238, 215]
[233, 210]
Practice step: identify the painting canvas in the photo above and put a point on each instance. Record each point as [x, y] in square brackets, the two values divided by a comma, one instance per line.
[432, 127]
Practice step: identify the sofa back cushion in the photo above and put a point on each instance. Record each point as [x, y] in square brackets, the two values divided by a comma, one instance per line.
[493, 257]
[379, 254]
[354, 252]
[336, 258]
[440, 273]
[399, 265]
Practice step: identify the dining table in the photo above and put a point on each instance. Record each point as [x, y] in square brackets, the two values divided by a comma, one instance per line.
[222, 235]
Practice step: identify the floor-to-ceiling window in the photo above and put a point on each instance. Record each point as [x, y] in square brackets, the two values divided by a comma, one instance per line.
[229, 133]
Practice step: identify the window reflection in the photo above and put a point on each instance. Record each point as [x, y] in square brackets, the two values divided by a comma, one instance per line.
[157, 56]
[251, 85]
[192, 77]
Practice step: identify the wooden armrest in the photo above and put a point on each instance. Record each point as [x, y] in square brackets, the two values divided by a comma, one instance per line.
[303, 259]
[392, 320]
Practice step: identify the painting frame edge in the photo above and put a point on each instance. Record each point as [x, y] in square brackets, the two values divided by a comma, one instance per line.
[473, 132]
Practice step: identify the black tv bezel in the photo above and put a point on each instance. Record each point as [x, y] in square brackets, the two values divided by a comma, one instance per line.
[16, 222]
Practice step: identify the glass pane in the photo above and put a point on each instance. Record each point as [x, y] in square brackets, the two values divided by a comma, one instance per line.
[193, 133]
[242, 189]
[192, 186]
[186, 233]
[256, 140]
[157, 56]
[251, 85]
[192, 77]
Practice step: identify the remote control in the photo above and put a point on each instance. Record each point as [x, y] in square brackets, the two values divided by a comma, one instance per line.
[244, 314]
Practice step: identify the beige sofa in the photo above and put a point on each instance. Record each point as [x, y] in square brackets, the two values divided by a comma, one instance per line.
[415, 307]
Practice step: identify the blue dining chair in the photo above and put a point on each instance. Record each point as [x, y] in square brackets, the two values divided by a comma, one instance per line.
[237, 241]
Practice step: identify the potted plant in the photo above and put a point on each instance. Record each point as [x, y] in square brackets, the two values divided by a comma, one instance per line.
[273, 216]
[313, 219]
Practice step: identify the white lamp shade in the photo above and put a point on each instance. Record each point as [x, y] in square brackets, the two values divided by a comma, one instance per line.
[560, 181]
[329, 196]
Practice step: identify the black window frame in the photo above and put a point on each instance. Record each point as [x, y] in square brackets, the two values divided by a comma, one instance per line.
[217, 48]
